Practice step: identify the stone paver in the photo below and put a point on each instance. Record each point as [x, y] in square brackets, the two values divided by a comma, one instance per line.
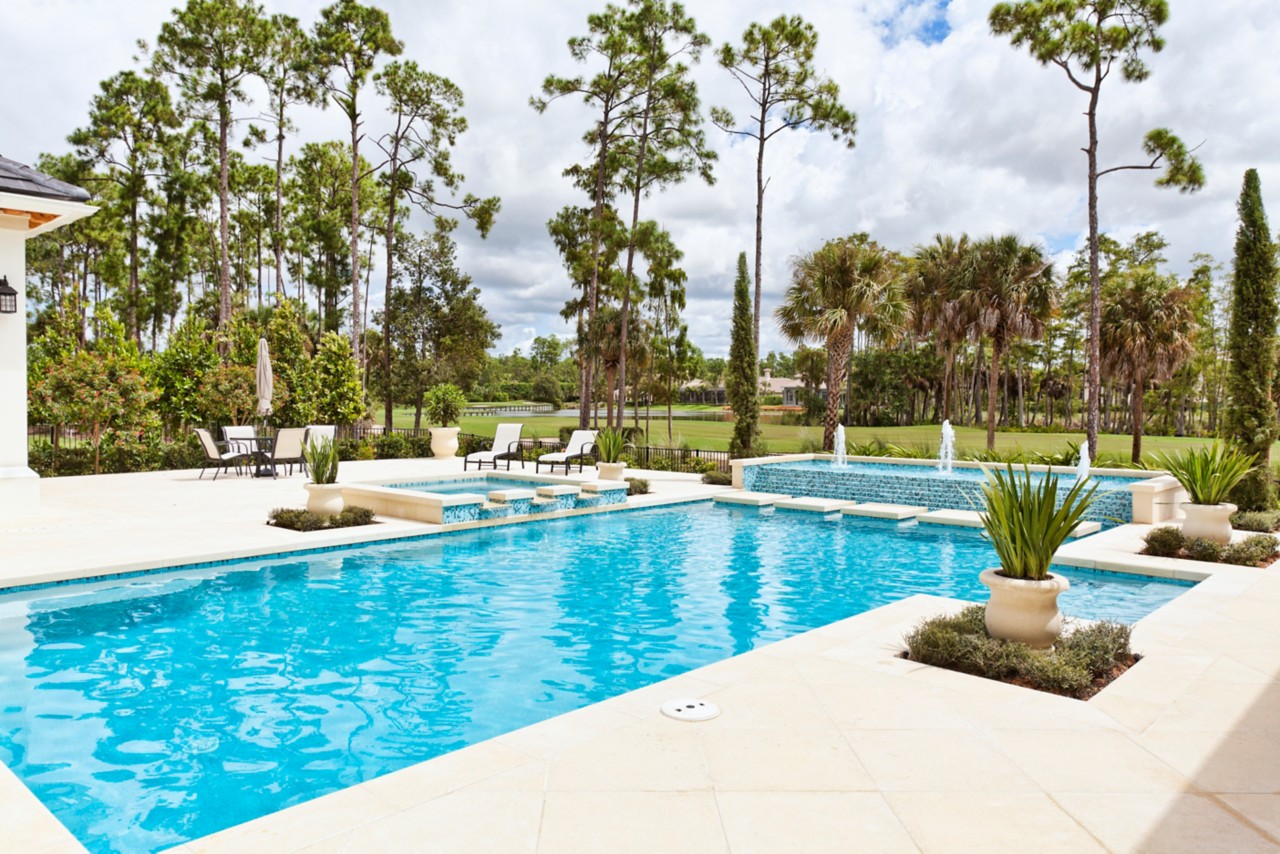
[876, 510]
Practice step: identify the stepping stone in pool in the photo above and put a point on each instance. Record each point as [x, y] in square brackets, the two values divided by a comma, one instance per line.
[896, 512]
[751, 499]
[557, 489]
[813, 505]
[958, 518]
[506, 496]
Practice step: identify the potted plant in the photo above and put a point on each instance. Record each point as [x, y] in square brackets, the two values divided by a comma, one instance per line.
[444, 404]
[609, 446]
[324, 494]
[1208, 475]
[1026, 525]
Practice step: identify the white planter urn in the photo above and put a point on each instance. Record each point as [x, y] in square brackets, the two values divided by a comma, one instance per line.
[1021, 609]
[444, 441]
[611, 471]
[324, 499]
[1210, 521]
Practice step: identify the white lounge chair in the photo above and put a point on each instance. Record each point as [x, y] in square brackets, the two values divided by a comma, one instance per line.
[506, 446]
[217, 455]
[320, 431]
[581, 446]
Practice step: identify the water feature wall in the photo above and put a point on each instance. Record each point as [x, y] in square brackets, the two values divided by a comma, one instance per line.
[915, 485]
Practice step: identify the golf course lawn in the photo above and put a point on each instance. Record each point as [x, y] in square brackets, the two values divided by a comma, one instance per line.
[714, 435]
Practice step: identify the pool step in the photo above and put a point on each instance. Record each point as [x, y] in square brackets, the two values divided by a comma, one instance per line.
[813, 505]
[494, 511]
[750, 499]
[874, 510]
[973, 519]
[506, 496]
[556, 490]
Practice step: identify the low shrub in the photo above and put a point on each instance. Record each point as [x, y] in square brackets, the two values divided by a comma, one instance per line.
[391, 446]
[352, 516]
[1163, 542]
[295, 519]
[1253, 551]
[718, 478]
[1198, 548]
[469, 443]
[1262, 521]
[637, 486]
[1081, 663]
[419, 446]
[348, 449]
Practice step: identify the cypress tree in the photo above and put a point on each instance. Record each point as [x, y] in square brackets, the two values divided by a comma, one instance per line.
[1251, 414]
[740, 378]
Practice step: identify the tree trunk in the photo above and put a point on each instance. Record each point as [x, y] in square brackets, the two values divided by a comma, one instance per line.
[631, 256]
[764, 116]
[1095, 279]
[838, 348]
[355, 236]
[278, 237]
[387, 405]
[224, 219]
[993, 383]
[1139, 391]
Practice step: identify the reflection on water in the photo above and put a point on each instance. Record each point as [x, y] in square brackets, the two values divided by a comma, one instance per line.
[159, 710]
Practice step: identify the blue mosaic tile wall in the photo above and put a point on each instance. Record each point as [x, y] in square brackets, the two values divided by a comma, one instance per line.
[612, 496]
[1110, 506]
[460, 513]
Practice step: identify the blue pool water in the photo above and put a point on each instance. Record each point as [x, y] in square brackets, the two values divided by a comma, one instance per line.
[166, 707]
[477, 485]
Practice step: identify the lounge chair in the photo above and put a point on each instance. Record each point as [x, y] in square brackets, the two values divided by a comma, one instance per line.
[315, 432]
[287, 450]
[218, 455]
[506, 446]
[581, 446]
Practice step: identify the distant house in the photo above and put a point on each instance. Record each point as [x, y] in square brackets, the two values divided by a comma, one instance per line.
[788, 388]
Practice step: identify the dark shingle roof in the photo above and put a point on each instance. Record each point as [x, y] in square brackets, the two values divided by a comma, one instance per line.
[25, 181]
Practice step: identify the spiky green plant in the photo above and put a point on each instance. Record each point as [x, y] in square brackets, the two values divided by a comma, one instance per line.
[1024, 521]
[1208, 474]
[322, 459]
[609, 445]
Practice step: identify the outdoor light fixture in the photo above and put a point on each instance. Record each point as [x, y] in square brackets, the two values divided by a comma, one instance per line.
[8, 297]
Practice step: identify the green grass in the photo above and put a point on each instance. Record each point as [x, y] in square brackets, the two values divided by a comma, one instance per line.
[714, 435]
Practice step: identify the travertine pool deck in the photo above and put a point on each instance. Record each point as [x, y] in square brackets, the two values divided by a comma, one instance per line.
[827, 741]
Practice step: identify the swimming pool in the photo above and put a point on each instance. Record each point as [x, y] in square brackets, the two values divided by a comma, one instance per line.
[478, 485]
[170, 706]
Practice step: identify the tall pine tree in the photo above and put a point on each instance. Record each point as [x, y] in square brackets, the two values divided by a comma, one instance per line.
[740, 378]
[1251, 416]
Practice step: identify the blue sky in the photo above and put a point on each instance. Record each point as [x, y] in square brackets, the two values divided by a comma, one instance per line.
[957, 131]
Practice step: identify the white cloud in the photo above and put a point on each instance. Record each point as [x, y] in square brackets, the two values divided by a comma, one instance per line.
[962, 134]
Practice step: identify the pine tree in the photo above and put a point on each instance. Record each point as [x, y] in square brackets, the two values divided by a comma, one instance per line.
[740, 378]
[1251, 415]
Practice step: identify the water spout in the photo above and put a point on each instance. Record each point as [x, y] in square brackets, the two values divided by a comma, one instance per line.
[840, 446]
[947, 450]
[1082, 468]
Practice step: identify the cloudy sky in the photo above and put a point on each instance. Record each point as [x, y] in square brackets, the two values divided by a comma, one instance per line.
[957, 131]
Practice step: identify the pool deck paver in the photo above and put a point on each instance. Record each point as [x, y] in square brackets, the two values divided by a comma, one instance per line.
[827, 741]
[750, 499]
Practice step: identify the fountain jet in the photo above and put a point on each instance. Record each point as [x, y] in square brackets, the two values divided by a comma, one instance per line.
[839, 449]
[947, 450]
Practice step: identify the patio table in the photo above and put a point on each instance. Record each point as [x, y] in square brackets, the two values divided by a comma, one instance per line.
[263, 446]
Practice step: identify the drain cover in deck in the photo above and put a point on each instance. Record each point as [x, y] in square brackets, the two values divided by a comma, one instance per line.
[690, 710]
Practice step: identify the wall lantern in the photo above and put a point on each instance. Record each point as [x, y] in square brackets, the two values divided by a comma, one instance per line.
[8, 297]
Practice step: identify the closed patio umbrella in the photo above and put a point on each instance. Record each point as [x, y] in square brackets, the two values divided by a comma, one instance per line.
[266, 383]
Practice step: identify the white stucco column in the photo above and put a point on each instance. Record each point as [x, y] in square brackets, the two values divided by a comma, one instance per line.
[19, 485]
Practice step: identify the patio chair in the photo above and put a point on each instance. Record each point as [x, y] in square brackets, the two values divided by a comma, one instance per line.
[218, 455]
[287, 450]
[581, 446]
[243, 439]
[506, 446]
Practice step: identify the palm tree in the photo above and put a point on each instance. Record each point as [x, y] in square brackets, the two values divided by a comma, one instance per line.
[848, 285]
[1007, 294]
[934, 292]
[1146, 334]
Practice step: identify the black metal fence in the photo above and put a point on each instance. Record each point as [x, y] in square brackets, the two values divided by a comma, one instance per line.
[645, 456]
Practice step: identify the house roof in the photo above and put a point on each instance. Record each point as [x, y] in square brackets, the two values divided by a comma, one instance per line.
[25, 181]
